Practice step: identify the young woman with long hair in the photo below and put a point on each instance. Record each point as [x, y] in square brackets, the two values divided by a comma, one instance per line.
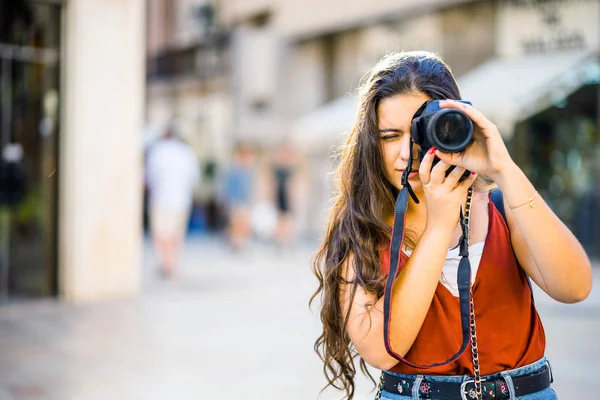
[416, 342]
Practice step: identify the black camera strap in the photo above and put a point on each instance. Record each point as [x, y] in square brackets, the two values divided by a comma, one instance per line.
[464, 272]
[406, 183]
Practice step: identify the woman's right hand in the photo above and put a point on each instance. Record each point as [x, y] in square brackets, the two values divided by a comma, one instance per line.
[443, 194]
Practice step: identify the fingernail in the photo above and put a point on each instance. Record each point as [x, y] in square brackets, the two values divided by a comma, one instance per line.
[473, 173]
[432, 150]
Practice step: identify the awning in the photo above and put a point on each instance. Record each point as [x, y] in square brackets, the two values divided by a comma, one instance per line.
[507, 90]
[326, 126]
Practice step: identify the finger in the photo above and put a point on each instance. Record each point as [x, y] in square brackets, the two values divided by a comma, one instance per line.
[425, 167]
[475, 115]
[450, 158]
[438, 172]
[464, 185]
[452, 179]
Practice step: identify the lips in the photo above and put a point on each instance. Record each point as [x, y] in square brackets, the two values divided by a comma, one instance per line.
[412, 173]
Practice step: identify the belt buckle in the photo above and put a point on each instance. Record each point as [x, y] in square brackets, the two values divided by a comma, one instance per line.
[547, 364]
[471, 393]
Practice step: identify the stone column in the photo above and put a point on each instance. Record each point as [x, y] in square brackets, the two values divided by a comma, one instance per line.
[100, 190]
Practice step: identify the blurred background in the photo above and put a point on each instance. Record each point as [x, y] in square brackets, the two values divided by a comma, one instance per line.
[118, 117]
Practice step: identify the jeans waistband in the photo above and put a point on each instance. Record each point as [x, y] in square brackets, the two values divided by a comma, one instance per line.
[524, 370]
[506, 384]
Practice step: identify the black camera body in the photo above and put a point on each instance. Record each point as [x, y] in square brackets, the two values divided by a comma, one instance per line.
[447, 129]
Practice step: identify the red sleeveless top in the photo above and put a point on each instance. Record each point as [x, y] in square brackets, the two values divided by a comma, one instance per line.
[509, 330]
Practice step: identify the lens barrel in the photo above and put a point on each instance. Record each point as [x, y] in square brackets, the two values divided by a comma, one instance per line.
[449, 130]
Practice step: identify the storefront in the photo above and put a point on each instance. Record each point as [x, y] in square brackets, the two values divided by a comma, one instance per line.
[29, 134]
[543, 93]
[560, 151]
[72, 90]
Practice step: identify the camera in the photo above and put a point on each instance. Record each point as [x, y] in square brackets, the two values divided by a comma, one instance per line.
[447, 129]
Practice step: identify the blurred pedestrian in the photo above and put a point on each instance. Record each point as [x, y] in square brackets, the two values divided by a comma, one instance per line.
[283, 174]
[172, 174]
[238, 193]
[455, 257]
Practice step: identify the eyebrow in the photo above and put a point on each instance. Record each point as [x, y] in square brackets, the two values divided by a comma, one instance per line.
[391, 130]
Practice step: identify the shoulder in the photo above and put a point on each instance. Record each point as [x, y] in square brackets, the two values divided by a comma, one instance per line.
[153, 151]
[349, 265]
[153, 147]
[501, 206]
[482, 196]
[480, 202]
[182, 146]
[184, 150]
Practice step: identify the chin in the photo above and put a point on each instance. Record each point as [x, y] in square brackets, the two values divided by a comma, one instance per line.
[417, 185]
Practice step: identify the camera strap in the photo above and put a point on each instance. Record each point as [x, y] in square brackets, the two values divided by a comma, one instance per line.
[464, 273]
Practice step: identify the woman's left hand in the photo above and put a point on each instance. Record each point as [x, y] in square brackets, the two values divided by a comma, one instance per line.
[487, 154]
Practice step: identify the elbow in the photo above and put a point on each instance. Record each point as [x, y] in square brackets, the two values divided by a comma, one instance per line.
[382, 363]
[579, 294]
[580, 290]
[583, 290]
[381, 360]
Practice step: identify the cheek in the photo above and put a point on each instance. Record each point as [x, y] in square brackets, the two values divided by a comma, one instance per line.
[389, 155]
[391, 152]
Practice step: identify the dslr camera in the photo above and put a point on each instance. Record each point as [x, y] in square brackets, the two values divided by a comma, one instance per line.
[447, 129]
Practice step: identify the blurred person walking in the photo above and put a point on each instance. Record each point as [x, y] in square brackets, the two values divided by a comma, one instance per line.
[283, 174]
[238, 194]
[172, 174]
[424, 269]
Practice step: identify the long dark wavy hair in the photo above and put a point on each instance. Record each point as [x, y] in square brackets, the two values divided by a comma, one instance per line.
[363, 203]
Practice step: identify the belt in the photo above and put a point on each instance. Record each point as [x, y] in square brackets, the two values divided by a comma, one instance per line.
[492, 389]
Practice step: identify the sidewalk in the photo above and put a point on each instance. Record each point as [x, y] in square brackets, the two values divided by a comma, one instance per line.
[229, 326]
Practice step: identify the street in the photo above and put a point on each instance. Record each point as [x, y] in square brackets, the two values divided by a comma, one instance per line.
[233, 326]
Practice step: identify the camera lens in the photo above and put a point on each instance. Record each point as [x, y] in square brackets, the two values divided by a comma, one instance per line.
[450, 130]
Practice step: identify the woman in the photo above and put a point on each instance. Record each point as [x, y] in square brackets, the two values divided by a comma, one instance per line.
[425, 322]
[239, 192]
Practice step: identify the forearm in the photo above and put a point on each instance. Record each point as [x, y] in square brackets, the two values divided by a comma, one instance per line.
[560, 260]
[411, 299]
[414, 289]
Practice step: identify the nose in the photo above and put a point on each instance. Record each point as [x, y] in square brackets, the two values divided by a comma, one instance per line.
[405, 148]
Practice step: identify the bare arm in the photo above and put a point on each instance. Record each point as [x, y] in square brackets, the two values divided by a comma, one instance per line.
[411, 299]
[544, 246]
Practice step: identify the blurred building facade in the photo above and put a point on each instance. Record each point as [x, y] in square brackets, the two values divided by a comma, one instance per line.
[71, 117]
[531, 66]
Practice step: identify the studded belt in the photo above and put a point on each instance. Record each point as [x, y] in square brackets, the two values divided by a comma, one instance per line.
[492, 389]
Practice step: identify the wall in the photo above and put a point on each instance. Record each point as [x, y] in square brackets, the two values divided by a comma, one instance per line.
[468, 35]
[236, 11]
[309, 18]
[156, 30]
[256, 64]
[306, 78]
[186, 21]
[557, 26]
